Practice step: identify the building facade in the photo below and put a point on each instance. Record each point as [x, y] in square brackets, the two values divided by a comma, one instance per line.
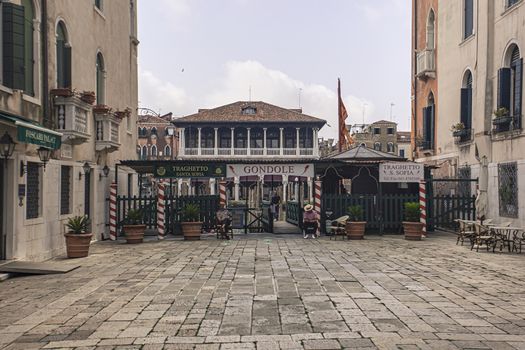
[382, 136]
[68, 101]
[479, 112]
[157, 137]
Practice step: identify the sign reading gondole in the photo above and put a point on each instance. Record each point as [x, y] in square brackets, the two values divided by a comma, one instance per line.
[305, 170]
[401, 172]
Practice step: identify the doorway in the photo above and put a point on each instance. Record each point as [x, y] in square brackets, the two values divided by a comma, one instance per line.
[2, 211]
[87, 195]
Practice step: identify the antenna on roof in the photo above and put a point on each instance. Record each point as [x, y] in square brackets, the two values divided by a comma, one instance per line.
[250, 94]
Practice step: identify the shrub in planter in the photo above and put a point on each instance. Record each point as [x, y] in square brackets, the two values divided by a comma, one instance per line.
[63, 92]
[355, 227]
[77, 238]
[191, 226]
[412, 226]
[88, 97]
[134, 227]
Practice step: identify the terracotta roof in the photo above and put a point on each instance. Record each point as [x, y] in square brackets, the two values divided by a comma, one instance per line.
[152, 119]
[383, 122]
[264, 112]
[403, 136]
[361, 153]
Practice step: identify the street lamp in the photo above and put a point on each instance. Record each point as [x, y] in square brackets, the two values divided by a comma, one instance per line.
[87, 169]
[7, 146]
[43, 153]
[105, 171]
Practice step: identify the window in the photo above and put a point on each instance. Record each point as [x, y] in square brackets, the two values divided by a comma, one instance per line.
[153, 151]
[132, 19]
[190, 138]
[468, 18]
[402, 153]
[510, 88]
[154, 131]
[508, 189]
[225, 138]
[428, 124]
[65, 190]
[208, 138]
[28, 47]
[466, 105]
[241, 138]
[13, 46]
[249, 111]
[143, 132]
[306, 138]
[99, 4]
[377, 146]
[272, 138]
[377, 131]
[256, 138]
[390, 147]
[144, 153]
[33, 190]
[464, 187]
[511, 2]
[290, 136]
[63, 57]
[167, 151]
[101, 80]
[390, 131]
[430, 31]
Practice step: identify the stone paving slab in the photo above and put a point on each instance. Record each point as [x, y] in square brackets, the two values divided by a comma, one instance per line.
[272, 292]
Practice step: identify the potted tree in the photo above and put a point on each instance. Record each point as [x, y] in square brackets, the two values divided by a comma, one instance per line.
[191, 226]
[412, 226]
[458, 130]
[77, 238]
[501, 117]
[355, 227]
[134, 228]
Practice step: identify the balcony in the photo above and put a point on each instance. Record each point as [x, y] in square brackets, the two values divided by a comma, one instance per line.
[107, 132]
[229, 152]
[426, 64]
[71, 114]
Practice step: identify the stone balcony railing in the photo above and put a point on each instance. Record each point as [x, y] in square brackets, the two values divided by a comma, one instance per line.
[243, 152]
[426, 63]
[71, 114]
[107, 131]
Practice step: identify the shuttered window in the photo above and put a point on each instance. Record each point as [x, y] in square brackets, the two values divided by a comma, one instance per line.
[63, 58]
[468, 18]
[13, 41]
[516, 66]
[65, 190]
[33, 191]
[28, 47]
[428, 127]
[466, 102]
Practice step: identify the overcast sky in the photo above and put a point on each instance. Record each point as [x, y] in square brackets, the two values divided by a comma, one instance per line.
[207, 53]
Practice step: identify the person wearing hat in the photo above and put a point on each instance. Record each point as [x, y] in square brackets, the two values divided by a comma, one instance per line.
[310, 221]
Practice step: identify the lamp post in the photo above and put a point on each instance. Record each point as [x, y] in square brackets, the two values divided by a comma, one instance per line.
[105, 172]
[43, 153]
[86, 168]
[7, 147]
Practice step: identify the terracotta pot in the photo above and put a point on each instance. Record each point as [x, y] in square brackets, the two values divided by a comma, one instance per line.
[191, 230]
[77, 245]
[134, 233]
[64, 92]
[413, 230]
[101, 109]
[355, 229]
[88, 98]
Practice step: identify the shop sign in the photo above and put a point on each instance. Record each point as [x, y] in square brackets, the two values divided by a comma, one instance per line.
[237, 170]
[190, 170]
[38, 137]
[401, 172]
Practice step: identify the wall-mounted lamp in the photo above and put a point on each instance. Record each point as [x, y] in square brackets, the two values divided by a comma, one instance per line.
[87, 170]
[7, 146]
[43, 153]
[105, 171]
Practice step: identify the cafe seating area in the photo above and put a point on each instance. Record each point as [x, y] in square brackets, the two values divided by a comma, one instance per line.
[490, 235]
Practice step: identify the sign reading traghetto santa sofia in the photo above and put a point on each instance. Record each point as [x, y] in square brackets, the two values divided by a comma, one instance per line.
[305, 170]
[401, 172]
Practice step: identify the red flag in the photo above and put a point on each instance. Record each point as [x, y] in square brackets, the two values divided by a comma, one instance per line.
[343, 114]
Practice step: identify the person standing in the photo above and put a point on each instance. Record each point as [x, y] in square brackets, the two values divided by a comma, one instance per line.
[310, 221]
[275, 203]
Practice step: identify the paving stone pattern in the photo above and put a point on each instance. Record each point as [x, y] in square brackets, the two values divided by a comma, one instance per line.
[272, 293]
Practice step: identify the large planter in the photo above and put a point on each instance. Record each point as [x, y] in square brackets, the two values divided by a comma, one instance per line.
[355, 229]
[502, 120]
[77, 245]
[134, 233]
[63, 92]
[459, 133]
[413, 230]
[191, 230]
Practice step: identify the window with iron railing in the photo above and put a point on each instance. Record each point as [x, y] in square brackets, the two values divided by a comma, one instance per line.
[508, 189]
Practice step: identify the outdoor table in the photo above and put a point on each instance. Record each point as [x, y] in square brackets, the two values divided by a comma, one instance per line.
[506, 236]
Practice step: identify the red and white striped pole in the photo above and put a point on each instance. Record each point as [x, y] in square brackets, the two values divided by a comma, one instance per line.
[161, 202]
[222, 192]
[113, 211]
[423, 205]
[317, 196]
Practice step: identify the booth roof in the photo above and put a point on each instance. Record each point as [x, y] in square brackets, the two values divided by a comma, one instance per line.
[362, 153]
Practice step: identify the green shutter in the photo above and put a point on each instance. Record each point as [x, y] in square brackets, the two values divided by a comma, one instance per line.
[13, 46]
[67, 66]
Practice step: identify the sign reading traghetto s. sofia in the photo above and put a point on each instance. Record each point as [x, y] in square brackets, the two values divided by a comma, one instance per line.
[401, 172]
[190, 170]
[305, 170]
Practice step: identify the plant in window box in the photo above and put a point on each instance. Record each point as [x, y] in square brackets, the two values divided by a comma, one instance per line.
[77, 237]
[458, 130]
[501, 116]
[355, 227]
[101, 109]
[62, 92]
[134, 227]
[191, 226]
[88, 97]
[412, 226]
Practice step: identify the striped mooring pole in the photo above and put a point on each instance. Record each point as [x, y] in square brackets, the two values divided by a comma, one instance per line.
[222, 192]
[113, 211]
[161, 202]
[423, 204]
[317, 197]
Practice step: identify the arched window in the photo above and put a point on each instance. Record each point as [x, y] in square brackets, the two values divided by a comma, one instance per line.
[154, 131]
[272, 138]
[99, 4]
[207, 138]
[256, 138]
[63, 57]
[167, 151]
[29, 66]
[377, 146]
[428, 123]
[431, 31]
[101, 80]
[144, 152]
[466, 102]
[390, 147]
[153, 151]
[510, 88]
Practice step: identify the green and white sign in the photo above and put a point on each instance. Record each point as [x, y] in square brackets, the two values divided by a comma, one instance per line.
[190, 170]
[38, 137]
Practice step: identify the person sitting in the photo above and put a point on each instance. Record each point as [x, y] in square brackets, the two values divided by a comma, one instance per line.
[224, 221]
[310, 221]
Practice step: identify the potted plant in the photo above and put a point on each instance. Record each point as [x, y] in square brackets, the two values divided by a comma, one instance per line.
[134, 227]
[501, 116]
[88, 97]
[355, 227]
[101, 109]
[63, 92]
[77, 238]
[412, 226]
[191, 226]
[458, 130]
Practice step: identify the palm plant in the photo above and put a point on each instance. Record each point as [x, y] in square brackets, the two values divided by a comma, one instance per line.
[78, 224]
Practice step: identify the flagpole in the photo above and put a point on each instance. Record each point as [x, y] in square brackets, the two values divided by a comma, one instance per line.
[339, 113]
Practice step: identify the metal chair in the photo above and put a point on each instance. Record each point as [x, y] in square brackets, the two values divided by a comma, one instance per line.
[221, 233]
[338, 227]
[465, 231]
[518, 240]
[482, 237]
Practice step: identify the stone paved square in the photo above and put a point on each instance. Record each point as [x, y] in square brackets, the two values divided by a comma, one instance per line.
[272, 292]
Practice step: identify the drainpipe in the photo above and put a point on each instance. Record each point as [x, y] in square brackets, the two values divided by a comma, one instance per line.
[48, 120]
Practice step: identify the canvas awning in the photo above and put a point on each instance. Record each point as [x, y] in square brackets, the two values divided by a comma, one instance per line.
[33, 133]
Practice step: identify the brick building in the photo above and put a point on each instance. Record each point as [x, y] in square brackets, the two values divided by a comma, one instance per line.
[157, 137]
